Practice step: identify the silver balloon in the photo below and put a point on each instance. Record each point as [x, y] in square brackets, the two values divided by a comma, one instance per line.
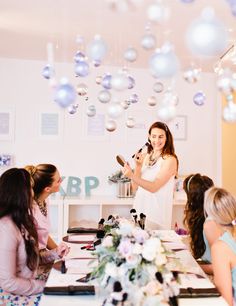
[111, 125]
[229, 113]
[72, 109]
[166, 113]
[79, 56]
[199, 98]
[170, 98]
[130, 55]
[130, 122]
[106, 81]
[152, 101]
[104, 96]
[119, 81]
[81, 69]
[148, 41]
[48, 72]
[192, 75]
[91, 111]
[224, 84]
[158, 87]
[82, 89]
[133, 98]
[97, 49]
[164, 64]
[207, 35]
[158, 12]
[115, 110]
[125, 104]
[64, 94]
[131, 82]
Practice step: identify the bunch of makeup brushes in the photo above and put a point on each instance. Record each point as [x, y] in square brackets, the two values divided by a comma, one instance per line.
[142, 218]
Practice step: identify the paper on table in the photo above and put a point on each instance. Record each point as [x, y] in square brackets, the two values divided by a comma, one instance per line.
[193, 281]
[167, 235]
[78, 266]
[175, 245]
[81, 238]
[76, 252]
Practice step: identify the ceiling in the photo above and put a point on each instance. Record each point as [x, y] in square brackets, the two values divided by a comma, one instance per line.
[26, 26]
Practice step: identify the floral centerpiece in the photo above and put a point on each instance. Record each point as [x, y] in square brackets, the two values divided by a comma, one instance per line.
[132, 268]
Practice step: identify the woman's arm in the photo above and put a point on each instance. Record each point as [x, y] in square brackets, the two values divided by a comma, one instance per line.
[220, 253]
[168, 169]
[139, 160]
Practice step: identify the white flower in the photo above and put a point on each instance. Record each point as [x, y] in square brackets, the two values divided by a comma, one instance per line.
[133, 260]
[151, 247]
[125, 228]
[140, 235]
[137, 248]
[111, 269]
[151, 288]
[160, 259]
[107, 242]
[125, 248]
[152, 301]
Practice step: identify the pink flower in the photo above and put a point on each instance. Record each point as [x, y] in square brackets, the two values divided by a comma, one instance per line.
[125, 248]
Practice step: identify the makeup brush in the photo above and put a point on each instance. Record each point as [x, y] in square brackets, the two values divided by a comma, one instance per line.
[134, 215]
[120, 159]
[140, 150]
[142, 221]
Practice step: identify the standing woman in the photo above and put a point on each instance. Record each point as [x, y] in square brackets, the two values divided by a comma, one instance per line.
[45, 180]
[153, 177]
[19, 240]
[220, 206]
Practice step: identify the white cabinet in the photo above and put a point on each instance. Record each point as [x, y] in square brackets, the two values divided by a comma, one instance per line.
[77, 211]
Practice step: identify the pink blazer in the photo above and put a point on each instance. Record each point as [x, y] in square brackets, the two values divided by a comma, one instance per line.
[15, 276]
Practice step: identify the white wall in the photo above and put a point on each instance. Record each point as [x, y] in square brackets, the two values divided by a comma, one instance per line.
[75, 154]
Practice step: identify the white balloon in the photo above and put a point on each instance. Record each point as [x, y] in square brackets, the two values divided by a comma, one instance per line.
[111, 125]
[130, 55]
[125, 104]
[104, 96]
[166, 113]
[97, 49]
[115, 110]
[152, 101]
[157, 12]
[130, 122]
[119, 81]
[91, 111]
[148, 41]
[207, 36]
[229, 112]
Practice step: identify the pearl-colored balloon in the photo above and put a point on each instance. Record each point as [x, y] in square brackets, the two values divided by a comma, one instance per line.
[166, 113]
[152, 101]
[119, 81]
[106, 81]
[158, 12]
[104, 96]
[130, 122]
[97, 49]
[229, 112]
[207, 35]
[91, 111]
[164, 64]
[82, 89]
[79, 57]
[98, 80]
[111, 125]
[130, 55]
[114, 110]
[148, 41]
[65, 94]
[72, 109]
[199, 98]
[81, 69]
[47, 72]
[158, 87]
[125, 104]
[192, 75]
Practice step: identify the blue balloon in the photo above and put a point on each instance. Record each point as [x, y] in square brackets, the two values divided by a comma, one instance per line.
[81, 69]
[65, 95]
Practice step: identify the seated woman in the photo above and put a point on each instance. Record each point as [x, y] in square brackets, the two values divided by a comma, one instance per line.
[202, 230]
[45, 180]
[19, 240]
[220, 205]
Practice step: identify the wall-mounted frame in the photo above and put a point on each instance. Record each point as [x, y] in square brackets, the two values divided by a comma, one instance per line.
[6, 124]
[51, 125]
[178, 127]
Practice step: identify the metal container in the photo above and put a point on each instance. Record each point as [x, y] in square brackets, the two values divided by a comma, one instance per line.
[124, 189]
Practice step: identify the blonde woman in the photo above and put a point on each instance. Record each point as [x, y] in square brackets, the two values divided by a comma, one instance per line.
[220, 205]
[45, 180]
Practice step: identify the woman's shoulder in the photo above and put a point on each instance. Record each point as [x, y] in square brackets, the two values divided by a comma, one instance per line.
[7, 225]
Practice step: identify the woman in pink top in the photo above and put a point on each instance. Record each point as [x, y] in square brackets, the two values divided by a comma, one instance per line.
[45, 180]
[19, 240]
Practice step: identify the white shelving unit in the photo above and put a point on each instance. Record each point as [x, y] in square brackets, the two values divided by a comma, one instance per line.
[74, 211]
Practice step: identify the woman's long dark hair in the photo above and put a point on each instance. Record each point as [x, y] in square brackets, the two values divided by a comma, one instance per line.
[16, 202]
[195, 186]
[169, 148]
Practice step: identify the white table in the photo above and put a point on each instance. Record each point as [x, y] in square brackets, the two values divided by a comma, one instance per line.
[56, 278]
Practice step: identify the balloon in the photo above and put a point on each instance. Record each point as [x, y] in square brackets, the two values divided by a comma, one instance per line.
[97, 49]
[72, 109]
[157, 12]
[91, 111]
[81, 69]
[133, 98]
[131, 82]
[130, 55]
[164, 64]
[79, 57]
[82, 89]
[158, 87]
[148, 41]
[152, 101]
[207, 35]
[110, 125]
[199, 98]
[192, 75]
[166, 113]
[104, 96]
[229, 112]
[106, 81]
[125, 104]
[64, 94]
[115, 110]
[98, 80]
[130, 122]
[119, 81]
[47, 72]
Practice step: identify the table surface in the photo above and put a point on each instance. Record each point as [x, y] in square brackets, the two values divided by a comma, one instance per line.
[185, 257]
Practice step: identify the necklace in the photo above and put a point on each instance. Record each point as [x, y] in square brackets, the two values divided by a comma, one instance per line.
[153, 158]
[43, 207]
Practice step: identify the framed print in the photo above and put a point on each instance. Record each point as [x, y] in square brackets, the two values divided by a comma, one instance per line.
[50, 126]
[6, 124]
[178, 127]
